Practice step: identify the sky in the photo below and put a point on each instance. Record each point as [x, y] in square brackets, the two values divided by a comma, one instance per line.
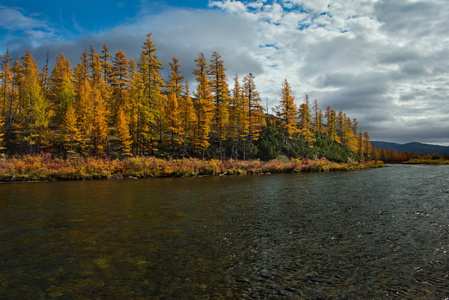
[383, 62]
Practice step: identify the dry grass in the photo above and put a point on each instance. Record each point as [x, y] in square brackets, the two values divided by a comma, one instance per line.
[45, 168]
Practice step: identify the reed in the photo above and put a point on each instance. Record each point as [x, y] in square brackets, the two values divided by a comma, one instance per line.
[45, 168]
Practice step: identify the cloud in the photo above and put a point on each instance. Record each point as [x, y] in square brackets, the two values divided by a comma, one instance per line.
[229, 6]
[177, 32]
[383, 62]
[30, 28]
[13, 19]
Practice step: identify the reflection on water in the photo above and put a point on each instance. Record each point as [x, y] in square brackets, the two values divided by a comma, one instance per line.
[378, 233]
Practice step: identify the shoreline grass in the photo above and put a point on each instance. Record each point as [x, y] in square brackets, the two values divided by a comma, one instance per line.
[425, 161]
[44, 168]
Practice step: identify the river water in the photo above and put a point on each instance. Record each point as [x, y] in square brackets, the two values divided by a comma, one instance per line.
[377, 233]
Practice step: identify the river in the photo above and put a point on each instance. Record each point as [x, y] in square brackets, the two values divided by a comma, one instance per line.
[376, 233]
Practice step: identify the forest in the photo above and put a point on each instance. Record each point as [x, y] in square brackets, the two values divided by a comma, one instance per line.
[109, 106]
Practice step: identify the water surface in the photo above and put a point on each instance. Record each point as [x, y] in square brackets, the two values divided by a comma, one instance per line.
[378, 233]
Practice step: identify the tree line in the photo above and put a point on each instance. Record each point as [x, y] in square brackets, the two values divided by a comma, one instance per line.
[112, 106]
[393, 156]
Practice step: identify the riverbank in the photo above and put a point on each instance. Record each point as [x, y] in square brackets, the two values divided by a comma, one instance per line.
[44, 168]
[423, 161]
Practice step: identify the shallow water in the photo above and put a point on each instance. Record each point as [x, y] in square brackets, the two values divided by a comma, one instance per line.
[377, 233]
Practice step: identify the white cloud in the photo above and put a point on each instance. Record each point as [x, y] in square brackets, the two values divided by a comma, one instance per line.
[383, 62]
[374, 51]
[229, 6]
[33, 28]
[11, 18]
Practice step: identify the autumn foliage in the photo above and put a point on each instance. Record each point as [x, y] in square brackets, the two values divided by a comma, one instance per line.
[44, 167]
[111, 106]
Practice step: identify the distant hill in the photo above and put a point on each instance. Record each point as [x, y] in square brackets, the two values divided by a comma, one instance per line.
[412, 147]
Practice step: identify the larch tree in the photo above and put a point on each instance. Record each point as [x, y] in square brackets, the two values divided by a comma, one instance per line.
[255, 110]
[317, 117]
[339, 122]
[173, 115]
[9, 80]
[367, 145]
[109, 106]
[331, 128]
[349, 139]
[287, 111]
[360, 144]
[175, 79]
[133, 97]
[220, 91]
[35, 107]
[83, 104]
[61, 88]
[141, 117]
[355, 127]
[124, 138]
[100, 104]
[44, 77]
[106, 66]
[238, 118]
[2, 133]
[6, 78]
[81, 72]
[95, 65]
[16, 109]
[152, 99]
[70, 132]
[173, 123]
[96, 77]
[100, 129]
[119, 83]
[188, 120]
[203, 106]
[304, 123]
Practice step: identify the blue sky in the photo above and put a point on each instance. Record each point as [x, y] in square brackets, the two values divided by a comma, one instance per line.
[71, 19]
[383, 62]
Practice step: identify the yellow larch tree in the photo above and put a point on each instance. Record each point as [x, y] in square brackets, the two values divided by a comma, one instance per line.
[2, 134]
[220, 91]
[70, 132]
[188, 120]
[173, 123]
[100, 129]
[175, 79]
[173, 116]
[62, 92]
[360, 144]
[44, 77]
[355, 127]
[331, 128]
[238, 118]
[203, 106]
[255, 110]
[339, 122]
[35, 108]
[124, 139]
[151, 97]
[83, 104]
[304, 123]
[134, 105]
[287, 111]
[367, 145]
[119, 83]
[106, 66]
[317, 117]
[99, 105]
[6, 79]
[349, 139]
